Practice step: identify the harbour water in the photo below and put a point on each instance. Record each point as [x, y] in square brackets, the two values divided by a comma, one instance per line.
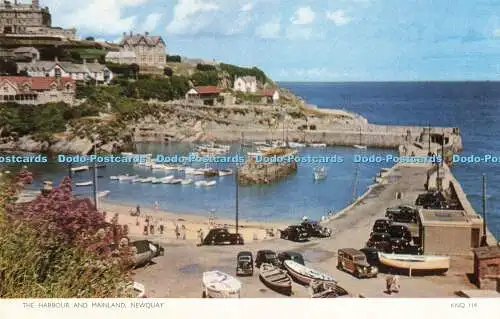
[474, 107]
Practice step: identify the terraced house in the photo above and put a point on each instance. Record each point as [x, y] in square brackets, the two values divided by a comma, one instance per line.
[36, 90]
[148, 50]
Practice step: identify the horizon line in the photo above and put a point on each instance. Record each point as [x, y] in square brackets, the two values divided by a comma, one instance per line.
[383, 81]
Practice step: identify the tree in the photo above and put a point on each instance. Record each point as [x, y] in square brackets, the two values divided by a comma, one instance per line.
[168, 71]
[174, 58]
[89, 39]
[205, 67]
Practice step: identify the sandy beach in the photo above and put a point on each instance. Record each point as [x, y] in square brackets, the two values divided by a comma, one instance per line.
[250, 231]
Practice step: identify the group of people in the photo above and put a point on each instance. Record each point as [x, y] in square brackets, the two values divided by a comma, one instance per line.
[392, 284]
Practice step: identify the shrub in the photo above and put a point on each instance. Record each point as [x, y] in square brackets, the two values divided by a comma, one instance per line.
[205, 67]
[168, 71]
[205, 78]
[174, 58]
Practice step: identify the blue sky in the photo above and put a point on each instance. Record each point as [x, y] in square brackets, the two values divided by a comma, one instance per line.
[305, 40]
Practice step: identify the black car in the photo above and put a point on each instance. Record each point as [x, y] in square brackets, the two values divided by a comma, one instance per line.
[431, 200]
[314, 229]
[295, 233]
[402, 214]
[371, 256]
[266, 256]
[221, 236]
[380, 241]
[290, 255]
[244, 263]
[409, 250]
[400, 235]
[381, 226]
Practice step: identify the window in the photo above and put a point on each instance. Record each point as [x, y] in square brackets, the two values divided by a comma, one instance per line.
[57, 72]
[68, 86]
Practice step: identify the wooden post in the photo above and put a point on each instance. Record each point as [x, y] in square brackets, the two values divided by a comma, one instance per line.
[410, 270]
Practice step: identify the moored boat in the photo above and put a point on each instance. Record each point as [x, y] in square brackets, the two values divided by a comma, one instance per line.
[276, 279]
[361, 147]
[319, 173]
[174, 181]
[187, 181]
[225, 172]
[427, 263]
[305, 275]
[296, 145]
[126, 177]
[317, 145]
[103, 194]
[80, 168]
[211, 173]
[205, 183]
[89, 183]
[216, 284]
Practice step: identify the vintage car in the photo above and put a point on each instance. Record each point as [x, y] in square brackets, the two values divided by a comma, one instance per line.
[244, 263]
[266, 256]
[354, 261]
[221, 236]
[402, 214]
[380, 241]
[295, 233]
[381, 226]
[314, 229]
[400, 235]
[290, 255]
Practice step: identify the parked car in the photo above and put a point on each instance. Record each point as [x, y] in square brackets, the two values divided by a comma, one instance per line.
[295, 233]
[314, 229]
[244, 263]
[371, 254]
[380, 241]
[409, 250]
[431, 200]
[402, 214]
[354, 261]
[381, 226]
[290, 255]
[400, 236]
[221, 236]
[266, 256]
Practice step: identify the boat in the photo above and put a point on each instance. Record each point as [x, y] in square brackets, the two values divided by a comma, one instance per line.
[173, 181]
[317, 145]
[361, 147]
[169, 167]
[103, 194]
[89, 183]
[216, 284]
[429, 263]
[162, 180]
[126, 177]
[199, 172]
[305, 275]
[319, 173]
[261, 144]
[264, 148]
[276, 279]
[189, 170]
[127, 154]
[296, 145]
[225, 172]
[113, 177]
[80, 168]
[187, 181]
[321, 289]
[205, 183]
[157, 166]
[145, 180]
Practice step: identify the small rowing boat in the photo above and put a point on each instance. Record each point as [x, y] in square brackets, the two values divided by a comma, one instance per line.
[80, 168]
[317, 145]
[216, 284]
[361, 147]
[429, 263]
[205, 183]
[187, 181]
[225, 172]
[103, 194]
[276, 279]
[305, 275]
[89, 183]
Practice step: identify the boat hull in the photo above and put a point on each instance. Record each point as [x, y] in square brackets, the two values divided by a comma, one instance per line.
[216, 284]
[417, 263]
[303, 278]
[281, 282]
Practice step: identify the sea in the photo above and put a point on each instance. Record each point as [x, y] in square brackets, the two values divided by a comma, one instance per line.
[473, 107]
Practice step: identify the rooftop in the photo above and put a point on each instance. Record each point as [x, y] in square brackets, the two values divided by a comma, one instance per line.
[487, 252]
[444, 216]
[36, 83]
[207, 89]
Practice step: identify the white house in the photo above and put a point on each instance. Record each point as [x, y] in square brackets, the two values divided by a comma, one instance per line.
[270, 96]
[78, 72]
[246, 84]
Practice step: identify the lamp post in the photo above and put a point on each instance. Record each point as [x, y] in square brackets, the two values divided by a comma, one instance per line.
[94, 176]
[484, 241]
[237, 185]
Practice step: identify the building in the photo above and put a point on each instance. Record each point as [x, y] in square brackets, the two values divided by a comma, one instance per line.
[36, 90]
[449, 232]
[121, 57]
[94, 71]
[270, 96]
[26, 53]
[203, 95]
[29, 20]
[246, 84]
[487, 267]
[149, 50]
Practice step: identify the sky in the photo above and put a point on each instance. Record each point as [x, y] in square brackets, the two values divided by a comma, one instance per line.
[310, 40]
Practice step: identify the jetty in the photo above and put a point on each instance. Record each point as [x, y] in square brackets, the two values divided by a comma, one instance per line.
[275, 164]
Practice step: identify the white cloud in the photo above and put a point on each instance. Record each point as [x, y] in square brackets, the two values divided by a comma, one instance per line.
[247, 7]
[104, 17]
[191, 16]
[269, 30]
[338, 17]
[304, 15]
[151, 22]
[295, 33]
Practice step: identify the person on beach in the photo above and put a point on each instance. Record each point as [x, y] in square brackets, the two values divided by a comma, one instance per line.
[395, 284]
[161, 229]
[183, 232]
[151, 229]
[388, 284]
[177, 234]
[138, 210]
[156, 206]
[201, 235]
[145, 232]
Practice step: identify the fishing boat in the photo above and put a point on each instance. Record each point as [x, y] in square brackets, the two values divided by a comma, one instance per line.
[103, 194]
[305, 275]
[89, 183]
[216, 284]
[225, 172]
[187, 181]
[174, 181]
[319, 173]
[205, 183]
[428, 263]
[276, 279]
[80, 168]
[317, 145]
[296, 145]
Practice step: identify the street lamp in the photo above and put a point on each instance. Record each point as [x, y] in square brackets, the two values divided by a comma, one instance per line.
[94, 176]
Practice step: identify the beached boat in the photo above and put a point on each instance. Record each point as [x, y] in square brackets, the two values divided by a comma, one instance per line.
[276, 279]
[322, 289]
[205, 183]
[89, 183]
[296, 145]
[225, 172]
[317, 145]
[80, 168]
[103, 194]
[428, 263]
[187, 181]
[319, 173]
[216, 284]
[305, 275]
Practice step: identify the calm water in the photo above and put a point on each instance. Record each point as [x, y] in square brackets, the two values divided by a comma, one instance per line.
[474, 107]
